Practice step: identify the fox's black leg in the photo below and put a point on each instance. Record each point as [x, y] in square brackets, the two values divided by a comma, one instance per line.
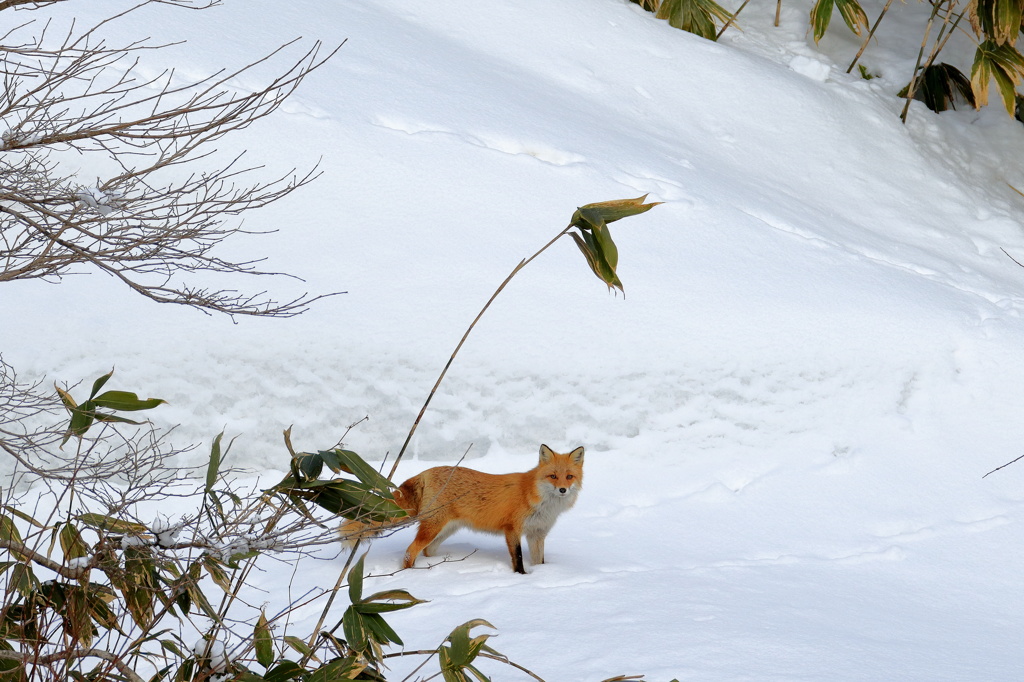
[513, 539]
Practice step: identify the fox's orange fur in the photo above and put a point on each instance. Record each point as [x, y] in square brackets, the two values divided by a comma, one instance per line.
[445, 499]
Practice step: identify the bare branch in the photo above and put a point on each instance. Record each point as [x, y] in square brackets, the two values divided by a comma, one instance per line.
[149, 222]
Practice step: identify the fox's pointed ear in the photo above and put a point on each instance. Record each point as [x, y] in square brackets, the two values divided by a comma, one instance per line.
[577, 455]
[545, 454]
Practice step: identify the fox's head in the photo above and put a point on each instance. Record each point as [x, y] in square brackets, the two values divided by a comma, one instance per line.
[564, 473]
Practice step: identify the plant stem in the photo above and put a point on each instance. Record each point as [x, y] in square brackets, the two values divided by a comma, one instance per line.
[912, 88]
[871, 34]
[482, 654]
[444, 371]
[327, 607]
[732, 18]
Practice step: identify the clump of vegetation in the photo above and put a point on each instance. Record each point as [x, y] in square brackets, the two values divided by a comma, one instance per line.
[995, 26]
[700, 17]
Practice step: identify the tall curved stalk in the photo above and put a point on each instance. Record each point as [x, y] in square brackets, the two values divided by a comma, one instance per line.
[601, 254]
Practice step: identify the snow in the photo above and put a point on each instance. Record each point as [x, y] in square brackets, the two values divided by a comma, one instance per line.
[788, 416]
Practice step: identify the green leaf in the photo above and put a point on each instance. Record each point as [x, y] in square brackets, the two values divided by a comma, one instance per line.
[604, 212]
[263, 642]
[297, 644]
[214, 466]
[344, 497]
[355, 630]
[71, 542]
[111, 525]
[123, 401]
[355, 581]
[21, 515]
[382, 632]
[853, 14]
[9, 531]
[65, 397]
[284, 671]
[850, 10]
[595, 259]
[594, 240]
[235, 560]
[99, 610]
[606, 247]
[338, 669]
[217, 573]
[696, 16]
[80, 422]
[352, 463]
[382, 602]
[22, 579]
[464, 650]
[1001, 63]
[99, 383]
[821, 17]
[1000, 20]
[310, 464]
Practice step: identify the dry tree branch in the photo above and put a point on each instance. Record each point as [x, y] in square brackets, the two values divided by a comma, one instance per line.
[149, 223]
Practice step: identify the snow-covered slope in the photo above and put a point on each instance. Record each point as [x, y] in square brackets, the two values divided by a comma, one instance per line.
[787, 417]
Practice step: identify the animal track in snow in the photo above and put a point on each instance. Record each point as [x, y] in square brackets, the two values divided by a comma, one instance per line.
[555, 157]
[505, 145]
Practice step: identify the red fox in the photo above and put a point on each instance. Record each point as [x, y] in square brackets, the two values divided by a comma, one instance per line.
[446, 499]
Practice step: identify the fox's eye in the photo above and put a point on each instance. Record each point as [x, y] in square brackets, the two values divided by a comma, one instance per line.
[569, 477]
[553, 477]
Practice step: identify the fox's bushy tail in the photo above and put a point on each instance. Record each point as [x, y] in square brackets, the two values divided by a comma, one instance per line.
[407, 496]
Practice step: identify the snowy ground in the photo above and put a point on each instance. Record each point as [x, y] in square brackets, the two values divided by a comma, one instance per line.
[787, 418]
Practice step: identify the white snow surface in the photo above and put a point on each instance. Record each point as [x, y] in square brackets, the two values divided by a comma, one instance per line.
[787, 418]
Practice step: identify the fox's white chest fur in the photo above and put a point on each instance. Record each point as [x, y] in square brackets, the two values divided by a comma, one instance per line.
[537, 525]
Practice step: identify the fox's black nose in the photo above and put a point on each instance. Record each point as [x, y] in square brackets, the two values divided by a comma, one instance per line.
[562, 490]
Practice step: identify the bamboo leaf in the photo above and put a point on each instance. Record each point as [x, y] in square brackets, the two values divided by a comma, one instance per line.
[99, 383]
[1001, 63]
[606, 247]
[355, 630]
[21, 515]
[587, 244]
[217, 573]
[110, 524]
[604, 212]
[355, 581]
[381, 631]
[386, 601]
[352, 463]
[71, 542]
[695, 16]
[125, 401]
[284, 671]
[821, 17]
[263, 642]
[310, 464]
[213, 468]
[9, 531]
[462, 651]
[65, 397]
[853, 14]
[22, 579]
[1006, 18]
[1007, 90]
[297, 644]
